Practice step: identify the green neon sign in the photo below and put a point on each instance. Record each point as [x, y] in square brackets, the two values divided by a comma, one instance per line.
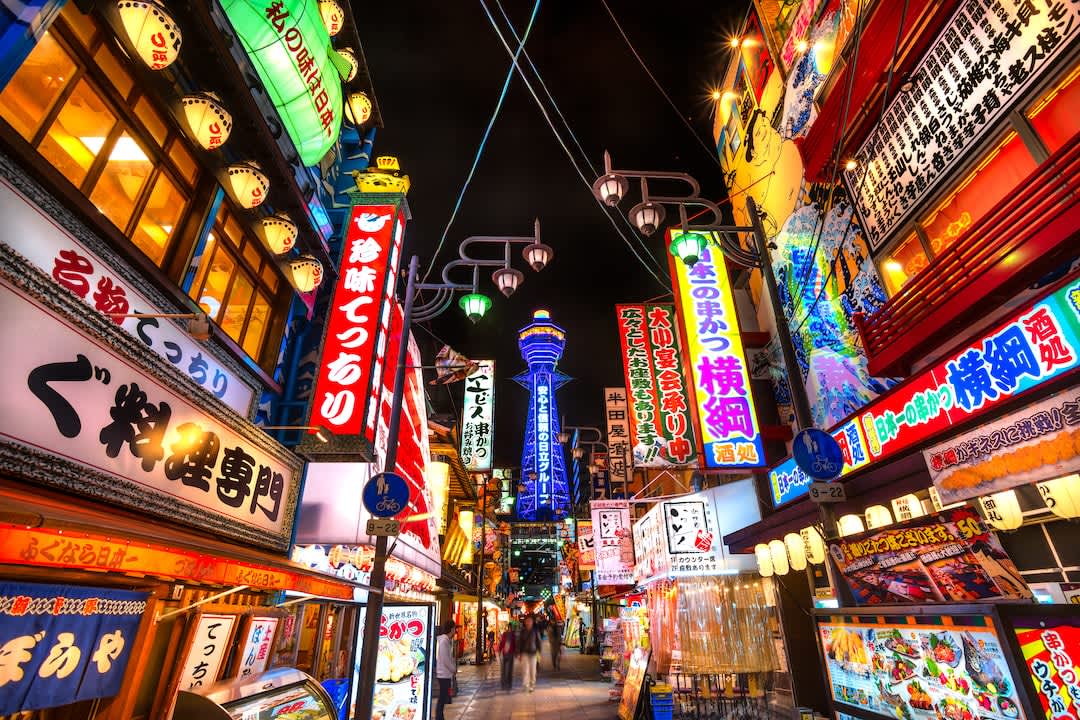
[289, 46]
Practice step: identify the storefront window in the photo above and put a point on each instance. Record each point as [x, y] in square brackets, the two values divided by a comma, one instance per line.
[159, 217]
[903, 263]
[1054, 116]
[122, 180]
[78, 133]
[30, 95]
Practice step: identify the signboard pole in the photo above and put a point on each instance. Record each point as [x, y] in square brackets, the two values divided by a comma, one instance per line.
[373, 617]
[481, 631]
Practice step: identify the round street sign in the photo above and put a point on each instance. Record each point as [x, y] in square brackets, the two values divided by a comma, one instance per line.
[818, 455]
[386, 494]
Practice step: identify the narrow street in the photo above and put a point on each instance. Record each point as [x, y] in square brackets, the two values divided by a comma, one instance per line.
[576, 691]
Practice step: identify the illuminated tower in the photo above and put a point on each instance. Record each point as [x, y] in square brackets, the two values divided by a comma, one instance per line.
[543, 469]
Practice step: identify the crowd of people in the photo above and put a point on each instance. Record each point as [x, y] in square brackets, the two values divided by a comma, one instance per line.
[520, 645]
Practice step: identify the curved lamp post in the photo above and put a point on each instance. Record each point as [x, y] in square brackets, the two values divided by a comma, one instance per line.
[475, 305]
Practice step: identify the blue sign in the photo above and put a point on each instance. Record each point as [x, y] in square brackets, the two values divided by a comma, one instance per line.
[62, 643]
[386, 494]
[818, 454]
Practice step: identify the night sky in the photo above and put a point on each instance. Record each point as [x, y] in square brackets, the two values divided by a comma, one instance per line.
[438, 69]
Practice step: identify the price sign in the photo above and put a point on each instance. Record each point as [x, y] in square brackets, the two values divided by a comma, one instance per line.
[827, 492]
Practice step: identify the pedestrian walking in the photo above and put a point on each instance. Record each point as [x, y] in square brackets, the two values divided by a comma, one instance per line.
[507, 648]
[583, 633]
[445, 666]
[555, 640]
[528, 648]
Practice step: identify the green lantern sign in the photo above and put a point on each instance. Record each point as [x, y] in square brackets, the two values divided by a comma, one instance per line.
[289, 46]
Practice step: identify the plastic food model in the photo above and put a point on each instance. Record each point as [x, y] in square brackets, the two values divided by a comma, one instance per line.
[396, 660]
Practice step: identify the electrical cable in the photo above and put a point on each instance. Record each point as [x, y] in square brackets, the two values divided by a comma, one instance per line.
[862, 180]
[593, 170]
[711, 152]
[562, 143]
[483, 142]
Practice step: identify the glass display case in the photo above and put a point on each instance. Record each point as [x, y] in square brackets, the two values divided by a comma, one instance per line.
[282, 694]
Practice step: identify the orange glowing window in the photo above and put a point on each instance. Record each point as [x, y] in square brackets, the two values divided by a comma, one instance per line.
[1054, 116]
[902, 264]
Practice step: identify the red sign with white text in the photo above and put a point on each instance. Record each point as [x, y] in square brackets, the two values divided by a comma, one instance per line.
[349, 375]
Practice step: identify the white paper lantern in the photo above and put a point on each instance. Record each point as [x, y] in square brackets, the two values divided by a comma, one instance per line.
[152, 32]
[354, 64]
[358, 108]
[246, 184]
[907, 507]
[764, 560]
[307, 273]
[814, 544]
[278, 232]
[878, 516]
[849, 525]
[778, 553]
[1062, 495]
[208, 121]
[333, 16]
[1002, 510]
[796, 551]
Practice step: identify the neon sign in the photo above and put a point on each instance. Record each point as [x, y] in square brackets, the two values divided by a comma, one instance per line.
[477, 431]
[1033, 347]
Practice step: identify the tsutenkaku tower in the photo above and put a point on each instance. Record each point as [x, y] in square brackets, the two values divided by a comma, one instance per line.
[543, 468]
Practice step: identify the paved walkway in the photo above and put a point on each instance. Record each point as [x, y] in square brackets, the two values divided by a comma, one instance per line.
[575, 692]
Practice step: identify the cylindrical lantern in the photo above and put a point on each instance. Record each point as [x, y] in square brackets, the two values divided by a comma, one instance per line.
[778, 553]
[849, 525]
[907, 507]
[437, 475]
[333, 16]
[878, 516]
[358, 107]
[307, 273]
[246, 184]
[1002, 510]
[1062, 495]
[354, 65]
[465, 522]
[208, 122]
[764, 560]
[152, 32]
[814, 544]
[796, 551]
[278, 232]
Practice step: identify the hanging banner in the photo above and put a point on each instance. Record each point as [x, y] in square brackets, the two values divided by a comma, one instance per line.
[62, 643]
[39, 238]
[614, 542]
[354, 342]
[1033, 347]
[620, 456]
[586, 546]
[126, 435]
[660, 425]
[677, 537]
[985, 58]
[255, 654]
[1037, 443]
[209, 646]
[478, 418]
[947, 557]
[725, 404]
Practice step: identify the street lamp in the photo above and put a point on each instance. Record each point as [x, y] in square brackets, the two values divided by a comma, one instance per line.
[441, 300]
[694, 240]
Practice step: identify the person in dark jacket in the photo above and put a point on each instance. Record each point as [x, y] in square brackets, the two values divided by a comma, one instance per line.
[507, 648]
[554, 635]
[528, 648]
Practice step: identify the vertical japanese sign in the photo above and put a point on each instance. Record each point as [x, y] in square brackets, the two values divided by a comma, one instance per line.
[61, 643]
[661, 428]
[614, 542]
[601, 479]
[586, 546]
[620, 459]
[255, 654]
[209, 646]
[347, 385]
[543, 438]
[477, 436]
[725, 404]
[984, 59]
[1050, 646]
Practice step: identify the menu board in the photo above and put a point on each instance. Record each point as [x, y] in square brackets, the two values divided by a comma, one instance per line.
[919, 671]
[406, 660]
[1051, 647]
[635, 676]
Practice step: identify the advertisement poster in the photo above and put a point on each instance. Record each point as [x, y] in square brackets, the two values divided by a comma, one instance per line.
[613, 541]
[1049, 646]
[949, 556]
[1036, 443]
[406, 662]
[919, 672]
[635, 676]
[586, 546]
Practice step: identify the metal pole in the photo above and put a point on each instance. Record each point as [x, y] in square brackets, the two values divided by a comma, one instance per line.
[369, 655]
[481, 616]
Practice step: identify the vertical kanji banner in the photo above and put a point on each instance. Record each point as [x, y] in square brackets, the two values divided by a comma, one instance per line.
[620, 458]
[477, 431]
[62, 643]
[725, 404]
[661, 428]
